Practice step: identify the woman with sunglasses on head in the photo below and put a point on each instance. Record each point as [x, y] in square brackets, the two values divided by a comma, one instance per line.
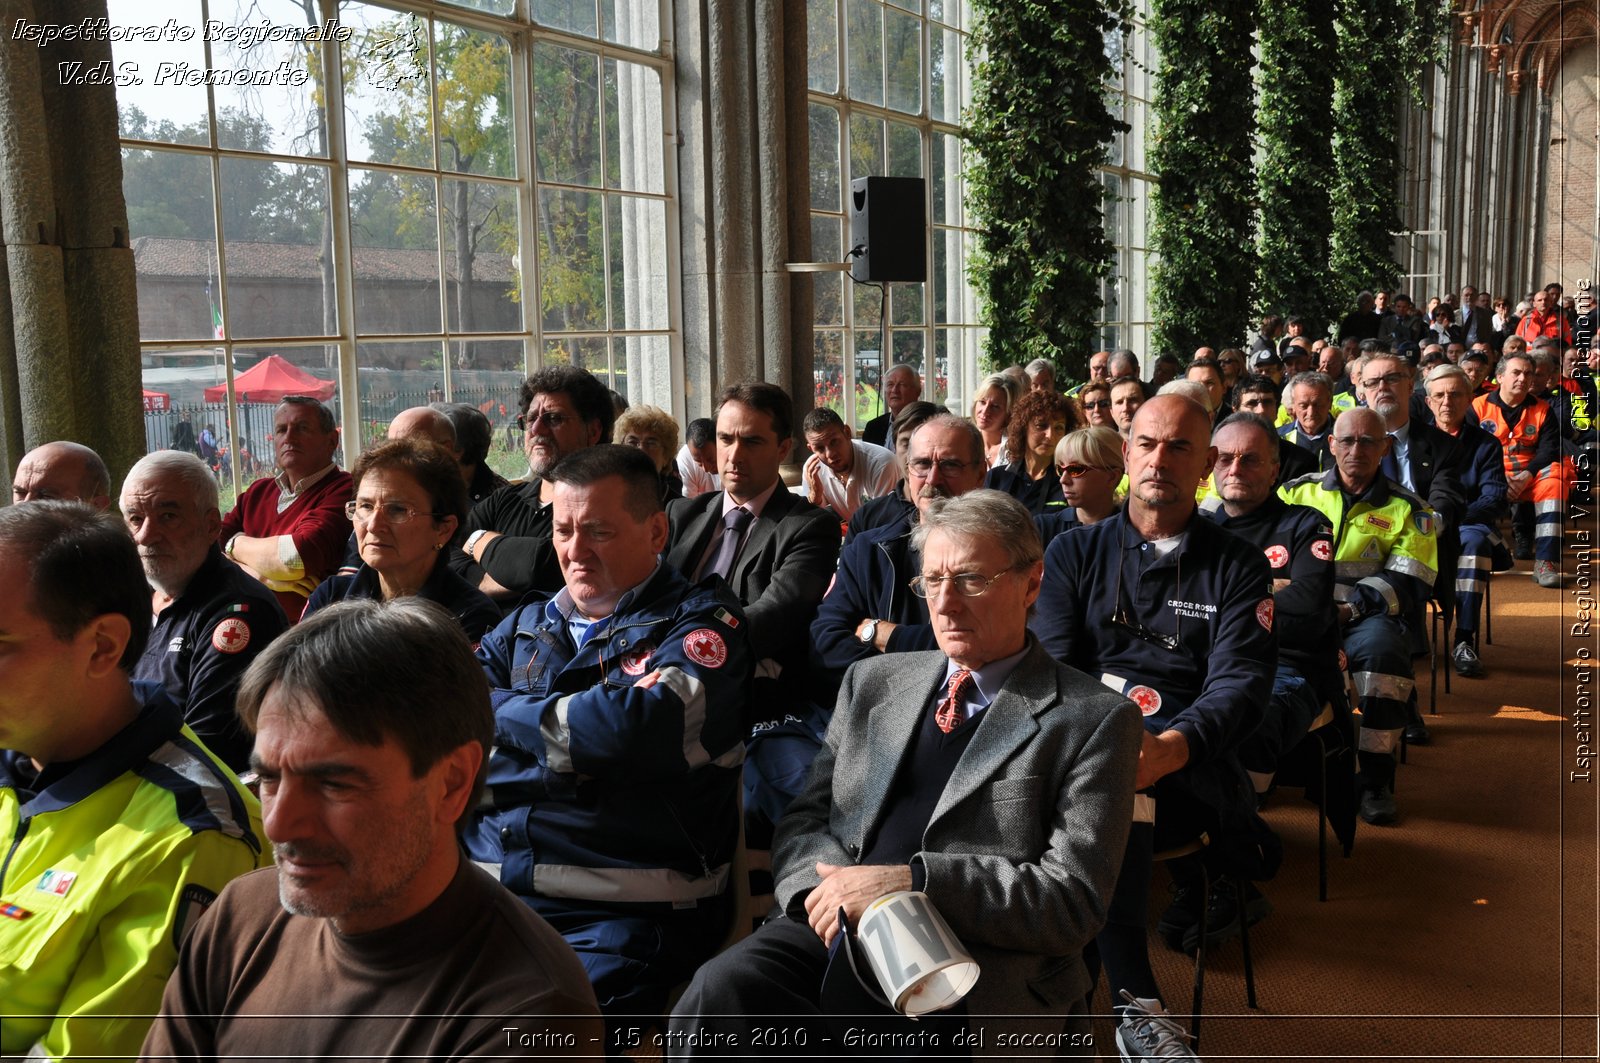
[1091, 469]
[1038, 421]
[409, 500]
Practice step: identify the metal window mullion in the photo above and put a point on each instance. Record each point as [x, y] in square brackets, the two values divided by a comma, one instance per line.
[527, 196]
[339, 223]
[673, 216]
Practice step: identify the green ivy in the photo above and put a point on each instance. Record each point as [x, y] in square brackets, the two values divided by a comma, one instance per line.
[1295, 179]
[1038, 131]
[1384, 48]
[1202, 211]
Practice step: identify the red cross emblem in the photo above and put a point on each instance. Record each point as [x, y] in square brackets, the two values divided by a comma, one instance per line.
[231, 636]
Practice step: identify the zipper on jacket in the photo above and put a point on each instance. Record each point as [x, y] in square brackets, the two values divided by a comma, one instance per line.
[22, 830]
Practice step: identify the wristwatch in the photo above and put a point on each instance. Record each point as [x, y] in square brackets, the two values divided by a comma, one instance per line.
[227, 551]
[869, 631]
[472, 540]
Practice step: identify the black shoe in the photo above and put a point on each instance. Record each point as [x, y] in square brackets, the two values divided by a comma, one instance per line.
[1222, 914]
[1417, 734]
[1466, 661]
[1377, 807]
[1181, 915]
[1524, 550]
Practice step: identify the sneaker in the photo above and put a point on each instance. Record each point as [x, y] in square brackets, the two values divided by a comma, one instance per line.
[1181, 915]
[1546, 574]
[1468, 666]
[1222, 914]
[1377, 807]
[1146, 1031]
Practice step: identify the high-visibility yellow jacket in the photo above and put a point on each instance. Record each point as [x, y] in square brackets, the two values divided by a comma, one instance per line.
[103, 868]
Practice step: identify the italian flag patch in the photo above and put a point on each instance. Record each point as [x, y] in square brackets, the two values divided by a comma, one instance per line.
[726, 617]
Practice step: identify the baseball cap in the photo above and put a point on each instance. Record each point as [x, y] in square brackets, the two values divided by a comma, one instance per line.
[1264, 358]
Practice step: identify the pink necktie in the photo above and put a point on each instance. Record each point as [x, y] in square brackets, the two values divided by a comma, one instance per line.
[950, 713]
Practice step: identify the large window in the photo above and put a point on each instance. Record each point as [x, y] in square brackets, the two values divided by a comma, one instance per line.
[888, 82]
[1125, 317]
[391, 207]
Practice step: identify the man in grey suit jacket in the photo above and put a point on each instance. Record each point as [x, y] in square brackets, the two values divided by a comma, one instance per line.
[777, 556]
[995, 780]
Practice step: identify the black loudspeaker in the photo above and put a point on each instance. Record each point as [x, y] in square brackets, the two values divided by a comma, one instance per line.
[889, 221]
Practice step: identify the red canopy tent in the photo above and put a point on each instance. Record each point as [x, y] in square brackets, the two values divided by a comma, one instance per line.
[156, 400]
[270, 379]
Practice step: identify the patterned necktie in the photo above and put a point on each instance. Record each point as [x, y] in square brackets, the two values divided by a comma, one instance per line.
[734, 522]
[950, 712]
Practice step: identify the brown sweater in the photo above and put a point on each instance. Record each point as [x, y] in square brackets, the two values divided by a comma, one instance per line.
[254, 981]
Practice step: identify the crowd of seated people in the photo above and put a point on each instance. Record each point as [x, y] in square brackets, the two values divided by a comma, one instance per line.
[1003, 660]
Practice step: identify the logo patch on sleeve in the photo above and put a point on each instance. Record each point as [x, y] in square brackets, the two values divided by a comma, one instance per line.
[230, 636]
[1322, 550]
[1424, 522]
[1147, 698]
[192, 904]
[57, 883]
[1264, 613]
[726, 617]
[1277, 555]
[637, 662]
[705, 646]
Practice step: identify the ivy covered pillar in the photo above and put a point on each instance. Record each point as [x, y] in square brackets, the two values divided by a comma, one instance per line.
[1202, 211]
[1039, 131]
[1295, 180]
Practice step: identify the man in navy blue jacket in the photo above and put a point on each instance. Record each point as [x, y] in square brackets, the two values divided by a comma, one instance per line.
[612, 807]
[1176, 614]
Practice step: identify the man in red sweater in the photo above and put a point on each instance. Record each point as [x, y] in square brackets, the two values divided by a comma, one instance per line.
[289, 530]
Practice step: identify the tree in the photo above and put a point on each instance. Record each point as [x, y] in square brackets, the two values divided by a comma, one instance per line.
[1039, 128]
[1201, 211]
[1295, 180]
[1404, 38]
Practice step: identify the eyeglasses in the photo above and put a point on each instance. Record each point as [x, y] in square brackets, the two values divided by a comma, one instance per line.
[553, 421]
[1075, 470]
[1388, 378]
[947, 466]
[641, 442]
[1121, 620]
[393, 512]
[1359, 441]
[1098, 404]
[970, 584]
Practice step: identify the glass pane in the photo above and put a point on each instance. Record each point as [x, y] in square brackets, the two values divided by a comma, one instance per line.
[278, 249]
[638, 262]
[946, 11]
[824, 157]
[290, 104]
[908, 346]
[319, 369]
[866, 147]
[946, 181]
[571, 261]
[394, 237]
[905, 304]
[1138, 111]
[909, 5]
[1117, 107]
[170, 111]
[644, 365]
[575, 16]
[946, 74]
[822, 45]
[474, 86]
[864, 38]
[395, 377]
[634, 159]
[945, 255]
[494, 7]
[388, 112]
[938, 388]
[827, 293]
[173, 230]
[635, 23]
[586, 352]
[868, 309]
[480, 234]
[827, 370]
[905, 150]
[902, 42]
[566, 114]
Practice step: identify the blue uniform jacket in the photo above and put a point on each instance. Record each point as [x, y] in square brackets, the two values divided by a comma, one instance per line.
[873, 581]
[1483, 476]
[1212, 592]
[602, 790]
[1040, 496]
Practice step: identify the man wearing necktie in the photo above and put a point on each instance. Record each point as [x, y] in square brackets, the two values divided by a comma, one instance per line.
[984, 774]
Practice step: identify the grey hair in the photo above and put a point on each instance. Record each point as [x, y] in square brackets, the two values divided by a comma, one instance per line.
[1122, 359]
[1447, 372]
[1506, 359]
[1192, 390]
[987, 515]
[1037, 364]
[1387, 356]
[1311, 379]
[959, 424]
[195, 476]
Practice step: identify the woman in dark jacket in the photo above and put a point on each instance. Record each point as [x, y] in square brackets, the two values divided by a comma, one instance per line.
[409, 500]
[1038, 421]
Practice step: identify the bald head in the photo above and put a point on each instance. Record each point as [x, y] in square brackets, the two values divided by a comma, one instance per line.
[1168, 452]
[424, 422]
[68, 472]
[1359, 444]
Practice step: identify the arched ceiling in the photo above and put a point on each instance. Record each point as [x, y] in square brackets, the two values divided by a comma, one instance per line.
[1527, 39]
